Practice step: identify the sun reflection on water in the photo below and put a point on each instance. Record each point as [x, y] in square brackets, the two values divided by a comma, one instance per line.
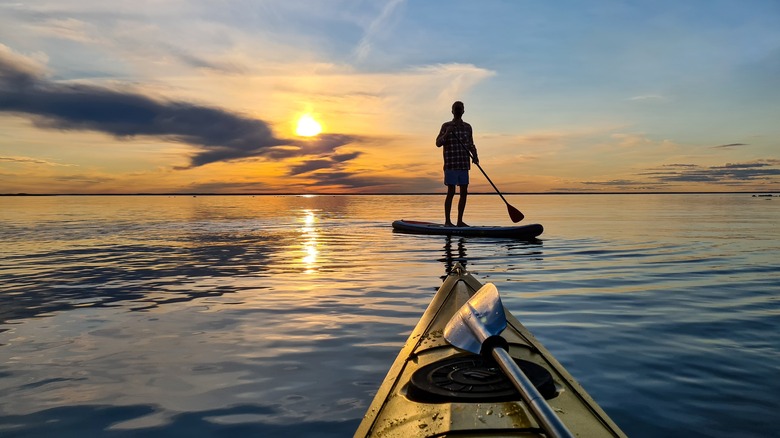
[310, 242]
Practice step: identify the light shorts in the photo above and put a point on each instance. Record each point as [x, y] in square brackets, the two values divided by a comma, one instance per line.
[456, 177]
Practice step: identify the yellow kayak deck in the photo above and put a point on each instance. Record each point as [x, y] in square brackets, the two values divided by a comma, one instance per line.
[398, 409]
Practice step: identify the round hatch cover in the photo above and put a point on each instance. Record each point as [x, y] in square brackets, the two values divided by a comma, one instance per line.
[472, 379]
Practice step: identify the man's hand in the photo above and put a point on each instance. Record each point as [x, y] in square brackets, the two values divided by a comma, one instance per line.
[450, 127]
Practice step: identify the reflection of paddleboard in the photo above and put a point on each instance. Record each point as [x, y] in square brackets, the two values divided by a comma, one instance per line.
[520, 232]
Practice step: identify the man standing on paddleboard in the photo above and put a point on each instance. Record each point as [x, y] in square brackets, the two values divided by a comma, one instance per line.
[459, 150]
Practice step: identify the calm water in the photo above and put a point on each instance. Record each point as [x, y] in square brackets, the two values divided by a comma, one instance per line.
[280, 315]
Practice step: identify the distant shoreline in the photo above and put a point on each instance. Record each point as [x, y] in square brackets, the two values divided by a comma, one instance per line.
[759, 193]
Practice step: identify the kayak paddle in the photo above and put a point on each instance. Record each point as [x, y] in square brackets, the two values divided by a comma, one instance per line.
[514, 213]
[476, 328]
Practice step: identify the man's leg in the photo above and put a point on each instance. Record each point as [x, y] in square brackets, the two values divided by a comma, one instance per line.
[448, 205]
[464, 193]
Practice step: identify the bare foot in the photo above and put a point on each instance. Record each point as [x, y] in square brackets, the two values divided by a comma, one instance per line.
[449, 224]
[463, 224]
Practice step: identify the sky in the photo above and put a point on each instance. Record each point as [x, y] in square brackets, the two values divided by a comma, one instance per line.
[183, 96]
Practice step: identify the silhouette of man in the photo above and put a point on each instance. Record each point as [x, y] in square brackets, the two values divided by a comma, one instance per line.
[459, 150]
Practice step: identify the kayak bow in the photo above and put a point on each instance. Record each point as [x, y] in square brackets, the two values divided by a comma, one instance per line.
[434, 389]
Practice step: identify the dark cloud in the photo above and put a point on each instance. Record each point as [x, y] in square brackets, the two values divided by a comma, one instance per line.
[323, 163]
[616, 182]
[730, 145]
[219, 135]
[765, 171]
[732, 173]
[323, 144]
[624, 184]
[680, 165]
[310, 166]
[346, 157]
[742, 166]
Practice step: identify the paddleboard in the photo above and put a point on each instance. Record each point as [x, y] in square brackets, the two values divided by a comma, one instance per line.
[419, 227]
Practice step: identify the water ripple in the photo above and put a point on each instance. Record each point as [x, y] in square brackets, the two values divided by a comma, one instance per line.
[224, 316]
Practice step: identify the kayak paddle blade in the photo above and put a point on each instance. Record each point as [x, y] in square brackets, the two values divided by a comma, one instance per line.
[481, 317]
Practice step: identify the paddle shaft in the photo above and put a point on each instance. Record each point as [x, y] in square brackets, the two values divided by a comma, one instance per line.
[552, 425]
[488, 178]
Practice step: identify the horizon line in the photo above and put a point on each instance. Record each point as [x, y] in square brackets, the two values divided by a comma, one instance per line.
[708, 192]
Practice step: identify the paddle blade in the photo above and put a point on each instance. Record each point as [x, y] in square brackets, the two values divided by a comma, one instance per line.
[480, 318]
[514, 213]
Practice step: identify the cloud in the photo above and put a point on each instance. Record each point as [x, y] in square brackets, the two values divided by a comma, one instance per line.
[681, 165]
[325, 143]
[186, 57]
[17, 70]
[377, 26]
[750, 174]
[29, 160]
[648, 98]
[624, 184]
[93, 180]
[65, 29]
[730, 173]
[217, 134]
[457, 77]
[731, 145]
[330, 162]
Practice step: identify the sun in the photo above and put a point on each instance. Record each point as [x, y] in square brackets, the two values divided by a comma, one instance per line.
[307, 126]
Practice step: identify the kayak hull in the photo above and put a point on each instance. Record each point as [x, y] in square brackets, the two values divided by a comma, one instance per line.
[398, 411]
[530, 231]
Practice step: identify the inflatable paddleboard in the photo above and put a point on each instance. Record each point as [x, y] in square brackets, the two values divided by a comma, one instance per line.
[518, 232]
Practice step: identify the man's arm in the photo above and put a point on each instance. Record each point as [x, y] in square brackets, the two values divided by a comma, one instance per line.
[443, 132]
[473, 147]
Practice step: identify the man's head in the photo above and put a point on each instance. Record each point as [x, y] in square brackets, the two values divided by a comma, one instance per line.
[458, 109]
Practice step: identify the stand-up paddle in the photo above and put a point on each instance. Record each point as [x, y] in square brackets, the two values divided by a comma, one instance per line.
[476, 328]
[514, 213]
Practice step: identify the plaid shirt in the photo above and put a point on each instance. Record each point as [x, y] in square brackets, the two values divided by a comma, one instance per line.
[455, 156]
